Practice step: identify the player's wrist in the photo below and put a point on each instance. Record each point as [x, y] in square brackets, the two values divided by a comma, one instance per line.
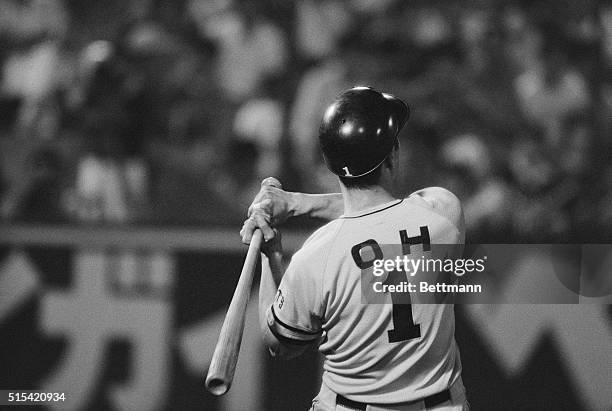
[273, 259]
[275, 254]
[297, 204]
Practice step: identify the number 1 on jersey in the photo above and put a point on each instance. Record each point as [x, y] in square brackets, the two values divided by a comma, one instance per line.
[403, 323]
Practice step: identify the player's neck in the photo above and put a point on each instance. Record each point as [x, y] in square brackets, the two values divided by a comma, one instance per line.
[356, 200]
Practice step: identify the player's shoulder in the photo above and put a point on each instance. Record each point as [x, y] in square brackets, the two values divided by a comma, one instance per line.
[441, 202]
[319, 243]
[324, 236]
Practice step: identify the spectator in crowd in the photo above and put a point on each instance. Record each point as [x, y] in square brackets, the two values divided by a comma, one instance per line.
[551, 91]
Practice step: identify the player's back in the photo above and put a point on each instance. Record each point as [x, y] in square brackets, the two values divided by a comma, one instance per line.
[382, 352]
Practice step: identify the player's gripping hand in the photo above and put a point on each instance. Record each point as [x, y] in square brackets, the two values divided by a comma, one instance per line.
[272, 206]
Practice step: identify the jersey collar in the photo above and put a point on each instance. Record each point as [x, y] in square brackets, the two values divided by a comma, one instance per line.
[373, 210]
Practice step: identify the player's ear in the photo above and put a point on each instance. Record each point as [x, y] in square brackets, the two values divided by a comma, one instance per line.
[392, 161]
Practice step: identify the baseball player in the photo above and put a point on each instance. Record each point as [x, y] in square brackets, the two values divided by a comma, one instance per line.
[376, 356]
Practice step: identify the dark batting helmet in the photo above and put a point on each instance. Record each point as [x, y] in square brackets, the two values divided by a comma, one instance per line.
[359, 130]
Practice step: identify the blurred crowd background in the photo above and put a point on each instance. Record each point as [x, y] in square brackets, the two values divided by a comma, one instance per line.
[171, 112]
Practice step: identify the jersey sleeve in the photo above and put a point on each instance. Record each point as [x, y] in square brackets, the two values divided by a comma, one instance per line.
[296, 314]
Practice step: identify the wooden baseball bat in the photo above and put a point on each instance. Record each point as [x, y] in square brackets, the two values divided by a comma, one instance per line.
[223, 363]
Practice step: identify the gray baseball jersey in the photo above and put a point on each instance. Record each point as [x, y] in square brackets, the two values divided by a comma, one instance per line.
[374, 353]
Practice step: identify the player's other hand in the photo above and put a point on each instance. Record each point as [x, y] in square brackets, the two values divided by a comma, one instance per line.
[272, 206]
